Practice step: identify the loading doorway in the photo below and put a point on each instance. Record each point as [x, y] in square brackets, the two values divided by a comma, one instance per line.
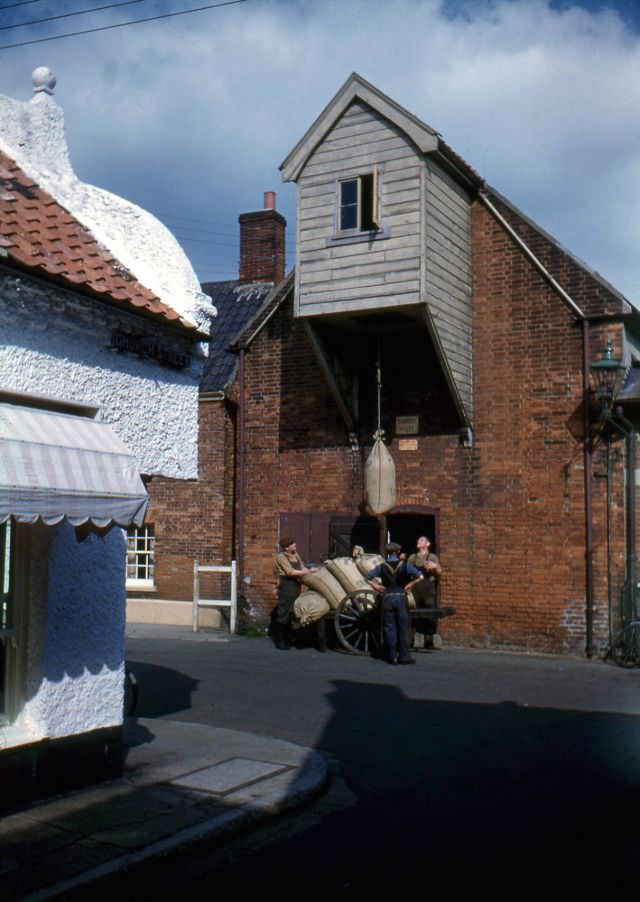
[405, 527]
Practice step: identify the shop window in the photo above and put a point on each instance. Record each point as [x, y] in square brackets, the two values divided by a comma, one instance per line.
[13, 571]
[7, 608]
[358, 204]
[140, 557]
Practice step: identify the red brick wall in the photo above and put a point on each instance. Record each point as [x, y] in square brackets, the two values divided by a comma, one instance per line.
[191, 518]
[511, 507]
[528, 387]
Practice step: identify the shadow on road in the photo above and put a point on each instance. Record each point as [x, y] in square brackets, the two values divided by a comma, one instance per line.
[162, 690]
[453, 796]
[457, 789]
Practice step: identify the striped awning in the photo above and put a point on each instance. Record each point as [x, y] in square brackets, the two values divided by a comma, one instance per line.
[56, 466]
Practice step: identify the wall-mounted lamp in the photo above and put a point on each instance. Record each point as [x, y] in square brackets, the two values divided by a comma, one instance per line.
[607, 374]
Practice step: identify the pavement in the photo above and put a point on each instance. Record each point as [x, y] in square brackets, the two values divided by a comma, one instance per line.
[183, 783]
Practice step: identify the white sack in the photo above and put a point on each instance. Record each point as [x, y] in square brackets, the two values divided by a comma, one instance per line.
[310, 606]
[347, 573]
[326, 584]
[379, 478]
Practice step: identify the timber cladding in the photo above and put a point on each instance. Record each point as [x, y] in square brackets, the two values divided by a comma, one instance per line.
[510, 506]
[359, 275]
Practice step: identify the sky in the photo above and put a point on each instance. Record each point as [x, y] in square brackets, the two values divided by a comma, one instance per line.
[191, 116]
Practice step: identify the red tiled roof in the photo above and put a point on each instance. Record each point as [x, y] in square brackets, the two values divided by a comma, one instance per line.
[37, 233]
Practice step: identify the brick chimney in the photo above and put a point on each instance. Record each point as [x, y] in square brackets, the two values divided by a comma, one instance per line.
[262, 243]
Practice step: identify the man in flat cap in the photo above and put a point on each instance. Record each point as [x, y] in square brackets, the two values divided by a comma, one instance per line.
[289, 568]
[397, 576]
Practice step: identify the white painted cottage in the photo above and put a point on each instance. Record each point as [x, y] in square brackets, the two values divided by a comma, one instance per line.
[103, 332]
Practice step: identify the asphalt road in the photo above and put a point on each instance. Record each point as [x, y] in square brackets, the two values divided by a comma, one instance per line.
[469, 771]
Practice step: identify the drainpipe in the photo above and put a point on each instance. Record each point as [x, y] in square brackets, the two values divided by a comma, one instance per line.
[631, 514]
[609, 564]
[240, 499]
[626, 428]
[588, 497]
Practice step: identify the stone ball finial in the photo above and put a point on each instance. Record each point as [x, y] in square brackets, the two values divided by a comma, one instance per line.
[43, 80]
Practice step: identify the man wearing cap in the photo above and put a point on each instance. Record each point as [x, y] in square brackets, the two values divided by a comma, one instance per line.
[397, 577]
[289, 568]
[426, 593]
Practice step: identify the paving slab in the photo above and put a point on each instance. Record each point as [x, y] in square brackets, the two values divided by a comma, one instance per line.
[228, 775]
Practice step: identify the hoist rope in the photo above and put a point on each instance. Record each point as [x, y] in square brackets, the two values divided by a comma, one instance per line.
[379, 389]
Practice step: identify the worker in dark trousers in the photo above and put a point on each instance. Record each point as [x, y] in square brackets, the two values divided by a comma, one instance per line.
[397, 578]
[289, 568]
[425, 595]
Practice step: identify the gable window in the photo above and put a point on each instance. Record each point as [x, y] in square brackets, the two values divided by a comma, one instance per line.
[140, 557]
[358, 203]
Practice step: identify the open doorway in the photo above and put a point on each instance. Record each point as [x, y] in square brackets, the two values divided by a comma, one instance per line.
[405, 528]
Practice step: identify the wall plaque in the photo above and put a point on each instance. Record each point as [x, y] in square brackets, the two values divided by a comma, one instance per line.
[407, 425]
[408, 444]
[148, 347]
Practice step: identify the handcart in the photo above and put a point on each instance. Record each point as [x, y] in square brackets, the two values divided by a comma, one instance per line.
[358, 621]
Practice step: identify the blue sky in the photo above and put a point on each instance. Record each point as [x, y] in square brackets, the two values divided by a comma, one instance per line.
[191, 116]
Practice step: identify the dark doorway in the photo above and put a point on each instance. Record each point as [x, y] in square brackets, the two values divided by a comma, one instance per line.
[346, 532]
[406, 528]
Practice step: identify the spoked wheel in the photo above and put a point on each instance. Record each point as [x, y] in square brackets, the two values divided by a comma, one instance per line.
[625, 651]
[357, 623]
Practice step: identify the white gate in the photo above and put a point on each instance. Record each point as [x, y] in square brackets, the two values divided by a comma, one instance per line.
[231, 603]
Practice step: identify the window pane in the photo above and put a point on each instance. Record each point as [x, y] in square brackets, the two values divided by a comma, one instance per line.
[5, 545]
[6, 608]
[6, 605]
[350, 191]
[349, 205]
[140, 550]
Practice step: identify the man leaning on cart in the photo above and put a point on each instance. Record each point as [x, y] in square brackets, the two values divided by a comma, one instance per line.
[289, 568]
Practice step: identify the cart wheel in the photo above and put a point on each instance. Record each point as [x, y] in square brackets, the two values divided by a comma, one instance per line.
[357, 623]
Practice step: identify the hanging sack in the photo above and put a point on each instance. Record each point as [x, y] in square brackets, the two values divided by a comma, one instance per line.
[379, 478]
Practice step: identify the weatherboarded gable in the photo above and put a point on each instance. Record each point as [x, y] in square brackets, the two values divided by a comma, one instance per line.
[338, 274]
[409, 244]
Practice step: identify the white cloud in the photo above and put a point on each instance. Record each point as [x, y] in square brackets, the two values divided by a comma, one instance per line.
[194, 114]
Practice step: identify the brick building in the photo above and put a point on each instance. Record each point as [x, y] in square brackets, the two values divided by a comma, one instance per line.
[485, 327]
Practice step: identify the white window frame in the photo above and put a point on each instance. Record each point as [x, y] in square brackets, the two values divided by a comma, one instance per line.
[375, 204]
[141, 556]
